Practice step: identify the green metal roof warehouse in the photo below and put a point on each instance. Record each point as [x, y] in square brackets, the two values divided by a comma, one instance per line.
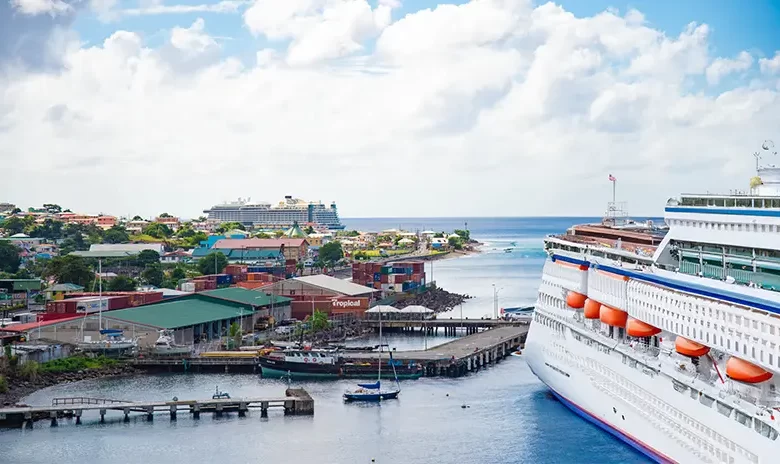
[182, 312]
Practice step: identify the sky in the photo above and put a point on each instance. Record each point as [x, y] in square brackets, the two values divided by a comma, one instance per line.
[390, 108]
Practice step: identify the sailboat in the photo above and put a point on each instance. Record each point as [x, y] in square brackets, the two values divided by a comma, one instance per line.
[374, 391]
[114, 341]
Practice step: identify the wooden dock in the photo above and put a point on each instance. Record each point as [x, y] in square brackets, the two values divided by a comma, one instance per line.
[295, 402]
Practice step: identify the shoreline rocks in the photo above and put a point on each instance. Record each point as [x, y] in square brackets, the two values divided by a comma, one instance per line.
[19, 386]
[437, 299]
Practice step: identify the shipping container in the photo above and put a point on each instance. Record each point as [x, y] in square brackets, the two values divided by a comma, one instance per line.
[119, 302]
[223, 279]
[386, 270]
[187, 287]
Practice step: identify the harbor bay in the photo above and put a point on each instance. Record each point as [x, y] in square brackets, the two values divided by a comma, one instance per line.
[502, 414]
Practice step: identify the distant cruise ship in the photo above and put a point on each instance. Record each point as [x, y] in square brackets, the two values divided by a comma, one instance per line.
[670, 342]
[282, 215]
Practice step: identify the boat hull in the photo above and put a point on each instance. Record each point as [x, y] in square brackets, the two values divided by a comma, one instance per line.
[381, 396]
[175, 351]
[272, 368]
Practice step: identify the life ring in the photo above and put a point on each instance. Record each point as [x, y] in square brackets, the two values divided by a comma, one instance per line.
[305, 360]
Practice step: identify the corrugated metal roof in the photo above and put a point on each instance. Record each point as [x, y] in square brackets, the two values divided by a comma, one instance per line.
[35, 325]
[20, 285]
[258, 243]
[253, 254]
[103, 254]
[128, 247]
[242, 295]
[334, 284]
[179, 313]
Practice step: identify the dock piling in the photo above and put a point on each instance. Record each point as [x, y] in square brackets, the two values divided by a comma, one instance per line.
[77, 413]
[103, 415]
[173, 412]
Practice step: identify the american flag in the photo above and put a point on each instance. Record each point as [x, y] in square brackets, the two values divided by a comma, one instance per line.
[612, 178]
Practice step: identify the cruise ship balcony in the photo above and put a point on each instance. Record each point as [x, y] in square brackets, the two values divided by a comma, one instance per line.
[741, 276]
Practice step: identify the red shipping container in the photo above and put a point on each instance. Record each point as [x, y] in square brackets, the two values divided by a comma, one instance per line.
[210, 285]
[119, 302]
[384, 279]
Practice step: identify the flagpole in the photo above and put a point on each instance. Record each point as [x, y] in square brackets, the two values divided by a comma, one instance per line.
[614, 183]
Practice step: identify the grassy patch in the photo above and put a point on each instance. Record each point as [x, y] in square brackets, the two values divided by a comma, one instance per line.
[77, 363]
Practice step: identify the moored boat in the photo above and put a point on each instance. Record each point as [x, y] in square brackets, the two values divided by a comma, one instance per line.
[166, 346]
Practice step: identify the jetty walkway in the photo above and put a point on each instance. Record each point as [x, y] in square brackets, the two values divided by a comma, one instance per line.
[450, 326]
[451, 359]
[295, 402]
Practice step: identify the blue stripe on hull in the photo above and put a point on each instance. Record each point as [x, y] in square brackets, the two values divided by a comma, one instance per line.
[630, 441]
[729, 212]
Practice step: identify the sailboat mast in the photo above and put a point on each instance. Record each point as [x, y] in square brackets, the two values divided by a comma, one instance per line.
[100, 295]
[379, 374]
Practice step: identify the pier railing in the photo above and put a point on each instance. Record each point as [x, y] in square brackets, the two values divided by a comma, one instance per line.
[84, 400]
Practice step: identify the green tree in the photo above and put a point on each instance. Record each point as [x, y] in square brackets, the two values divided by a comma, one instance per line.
[206, 263]
[50, 230]
[137, 218]
[165, 215]
[262, 235]
[147, 257]
[157, 230]
[226, 226]
[464, 234]
[455, 242]
[331, 253]
[309, 230]
[178, 273]
[52, 208]
[234, 332]
[121, 284]
[318, 321]
[13, 225]
[278, 233]
[116, 234]
[70, 269]
[153, 274]
[10, 257]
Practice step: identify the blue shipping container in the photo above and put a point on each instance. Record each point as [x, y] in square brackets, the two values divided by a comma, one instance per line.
[223, 279]
[399, 270]
[377, 277]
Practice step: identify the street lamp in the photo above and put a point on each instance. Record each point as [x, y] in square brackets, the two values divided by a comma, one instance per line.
[495, 300]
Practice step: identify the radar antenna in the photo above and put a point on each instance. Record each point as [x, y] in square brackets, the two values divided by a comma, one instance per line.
[769, 146]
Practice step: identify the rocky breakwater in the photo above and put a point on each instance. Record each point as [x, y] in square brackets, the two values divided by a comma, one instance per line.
[435, 299]
[21, 382]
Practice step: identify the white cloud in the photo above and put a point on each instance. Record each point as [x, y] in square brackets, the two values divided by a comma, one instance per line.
[156, 7]
[36, 7]
[319, 29]
[724, 66]
[770, 66]
[511, 109]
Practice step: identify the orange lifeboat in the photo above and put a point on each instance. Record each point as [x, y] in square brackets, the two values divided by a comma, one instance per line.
[739, 369]
[637, 328]
[690, 348]
[592, 309]
[613, 317]
[575, 300]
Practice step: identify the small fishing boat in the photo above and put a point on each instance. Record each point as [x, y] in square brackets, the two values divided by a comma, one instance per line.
[220, 395]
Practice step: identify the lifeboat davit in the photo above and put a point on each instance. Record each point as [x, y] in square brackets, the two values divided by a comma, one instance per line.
[637, 328]
[739, 369]
[575, 300]
[592, 309]
[690, 348]
[612, 316]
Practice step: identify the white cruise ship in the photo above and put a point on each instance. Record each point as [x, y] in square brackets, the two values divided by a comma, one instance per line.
[279, 216]
[670, 344]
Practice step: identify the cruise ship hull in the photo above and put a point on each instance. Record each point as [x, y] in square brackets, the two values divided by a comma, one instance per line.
[575, 390]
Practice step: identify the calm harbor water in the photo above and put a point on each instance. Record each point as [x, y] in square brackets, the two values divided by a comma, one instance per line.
[510, 418]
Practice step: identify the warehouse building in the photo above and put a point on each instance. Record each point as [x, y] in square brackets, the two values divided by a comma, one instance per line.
[192, 319]
[336, 297]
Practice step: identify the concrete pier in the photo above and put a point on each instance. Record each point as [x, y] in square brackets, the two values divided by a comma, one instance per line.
[461, 356]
